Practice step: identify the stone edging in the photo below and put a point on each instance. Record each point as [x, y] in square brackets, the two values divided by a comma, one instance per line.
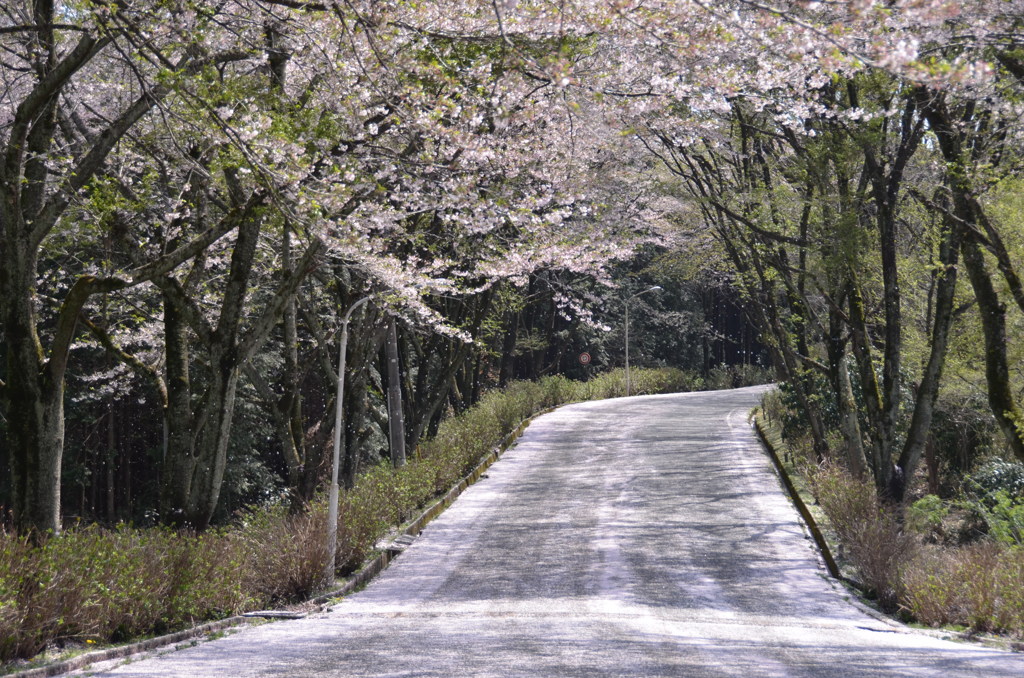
[370, 570]
[801, 507]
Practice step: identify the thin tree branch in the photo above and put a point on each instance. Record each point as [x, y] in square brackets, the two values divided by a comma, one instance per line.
[147, 371]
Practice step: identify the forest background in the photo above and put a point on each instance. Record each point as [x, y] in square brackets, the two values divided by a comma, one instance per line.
[196, 196]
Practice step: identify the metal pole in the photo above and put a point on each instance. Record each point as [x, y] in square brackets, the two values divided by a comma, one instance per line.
[627, 347]
[628, 299]
[332, 500]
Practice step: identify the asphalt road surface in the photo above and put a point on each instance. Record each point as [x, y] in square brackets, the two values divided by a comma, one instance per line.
[632, 537]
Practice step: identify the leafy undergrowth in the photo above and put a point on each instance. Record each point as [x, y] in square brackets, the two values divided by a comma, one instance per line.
[95, 586]
[893, 554]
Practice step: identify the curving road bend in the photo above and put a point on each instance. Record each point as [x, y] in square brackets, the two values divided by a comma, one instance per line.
[642, 536]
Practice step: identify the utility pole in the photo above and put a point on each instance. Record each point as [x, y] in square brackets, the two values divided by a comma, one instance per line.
[628, 299]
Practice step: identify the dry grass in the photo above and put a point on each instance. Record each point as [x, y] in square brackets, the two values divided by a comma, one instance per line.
[871, 534]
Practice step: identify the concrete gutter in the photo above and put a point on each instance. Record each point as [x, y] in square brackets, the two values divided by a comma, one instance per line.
[801, 507]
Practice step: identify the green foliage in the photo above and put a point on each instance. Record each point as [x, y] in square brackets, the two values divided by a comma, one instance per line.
[963, 430]
[997, 475]
[925, 515]
[735, 376]
[1004, 516]
[995, 492]
[794, 418]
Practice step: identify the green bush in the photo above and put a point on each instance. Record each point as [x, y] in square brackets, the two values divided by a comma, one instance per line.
[997, 475]
[1004, 516]
[925, 516]
[995, 493]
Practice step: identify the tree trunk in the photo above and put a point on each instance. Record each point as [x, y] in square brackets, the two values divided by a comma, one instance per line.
[881, 455]
[954, 145]
[997, 371]
[211, 451]
[396, 417]
[198, 453]
[928, 391]
[111, 465]
[846, 404]
[35, 387]
[178, 460]
[288, 412]
[508, 347]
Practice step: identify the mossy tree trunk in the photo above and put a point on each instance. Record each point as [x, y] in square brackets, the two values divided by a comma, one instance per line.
[961, 151]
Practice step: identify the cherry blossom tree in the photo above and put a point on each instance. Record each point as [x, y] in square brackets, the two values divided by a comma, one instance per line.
[449, 164]
[57, 137]
[249, 168]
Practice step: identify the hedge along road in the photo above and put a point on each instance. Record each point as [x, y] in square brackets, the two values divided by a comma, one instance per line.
[641, 536]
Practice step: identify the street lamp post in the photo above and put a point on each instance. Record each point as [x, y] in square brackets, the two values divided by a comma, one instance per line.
[332, 501]
[628, 299]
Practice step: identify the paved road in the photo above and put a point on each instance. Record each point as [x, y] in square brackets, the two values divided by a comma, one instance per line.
[633, 537]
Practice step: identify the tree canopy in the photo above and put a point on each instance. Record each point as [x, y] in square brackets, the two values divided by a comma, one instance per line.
[193, 194]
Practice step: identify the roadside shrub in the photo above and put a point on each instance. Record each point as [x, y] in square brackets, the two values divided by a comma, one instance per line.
[978, 586]
[872, 536]
[847, 501]
[14, 566]
[286, 552]
[93, 583]
[557, 389]
[129, 582]
[362, 519]
[642, 382]
[608, 385]
[208, 570]
[1010, 591]
[736, 376]
[931, 593]
[773, 407]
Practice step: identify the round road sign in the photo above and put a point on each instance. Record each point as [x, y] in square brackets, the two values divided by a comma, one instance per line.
[584, 358]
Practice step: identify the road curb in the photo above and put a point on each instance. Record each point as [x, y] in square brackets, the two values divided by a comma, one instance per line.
[177, 638]
[826, 554]
[381, 561]
[798, 501]
[366, 573]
